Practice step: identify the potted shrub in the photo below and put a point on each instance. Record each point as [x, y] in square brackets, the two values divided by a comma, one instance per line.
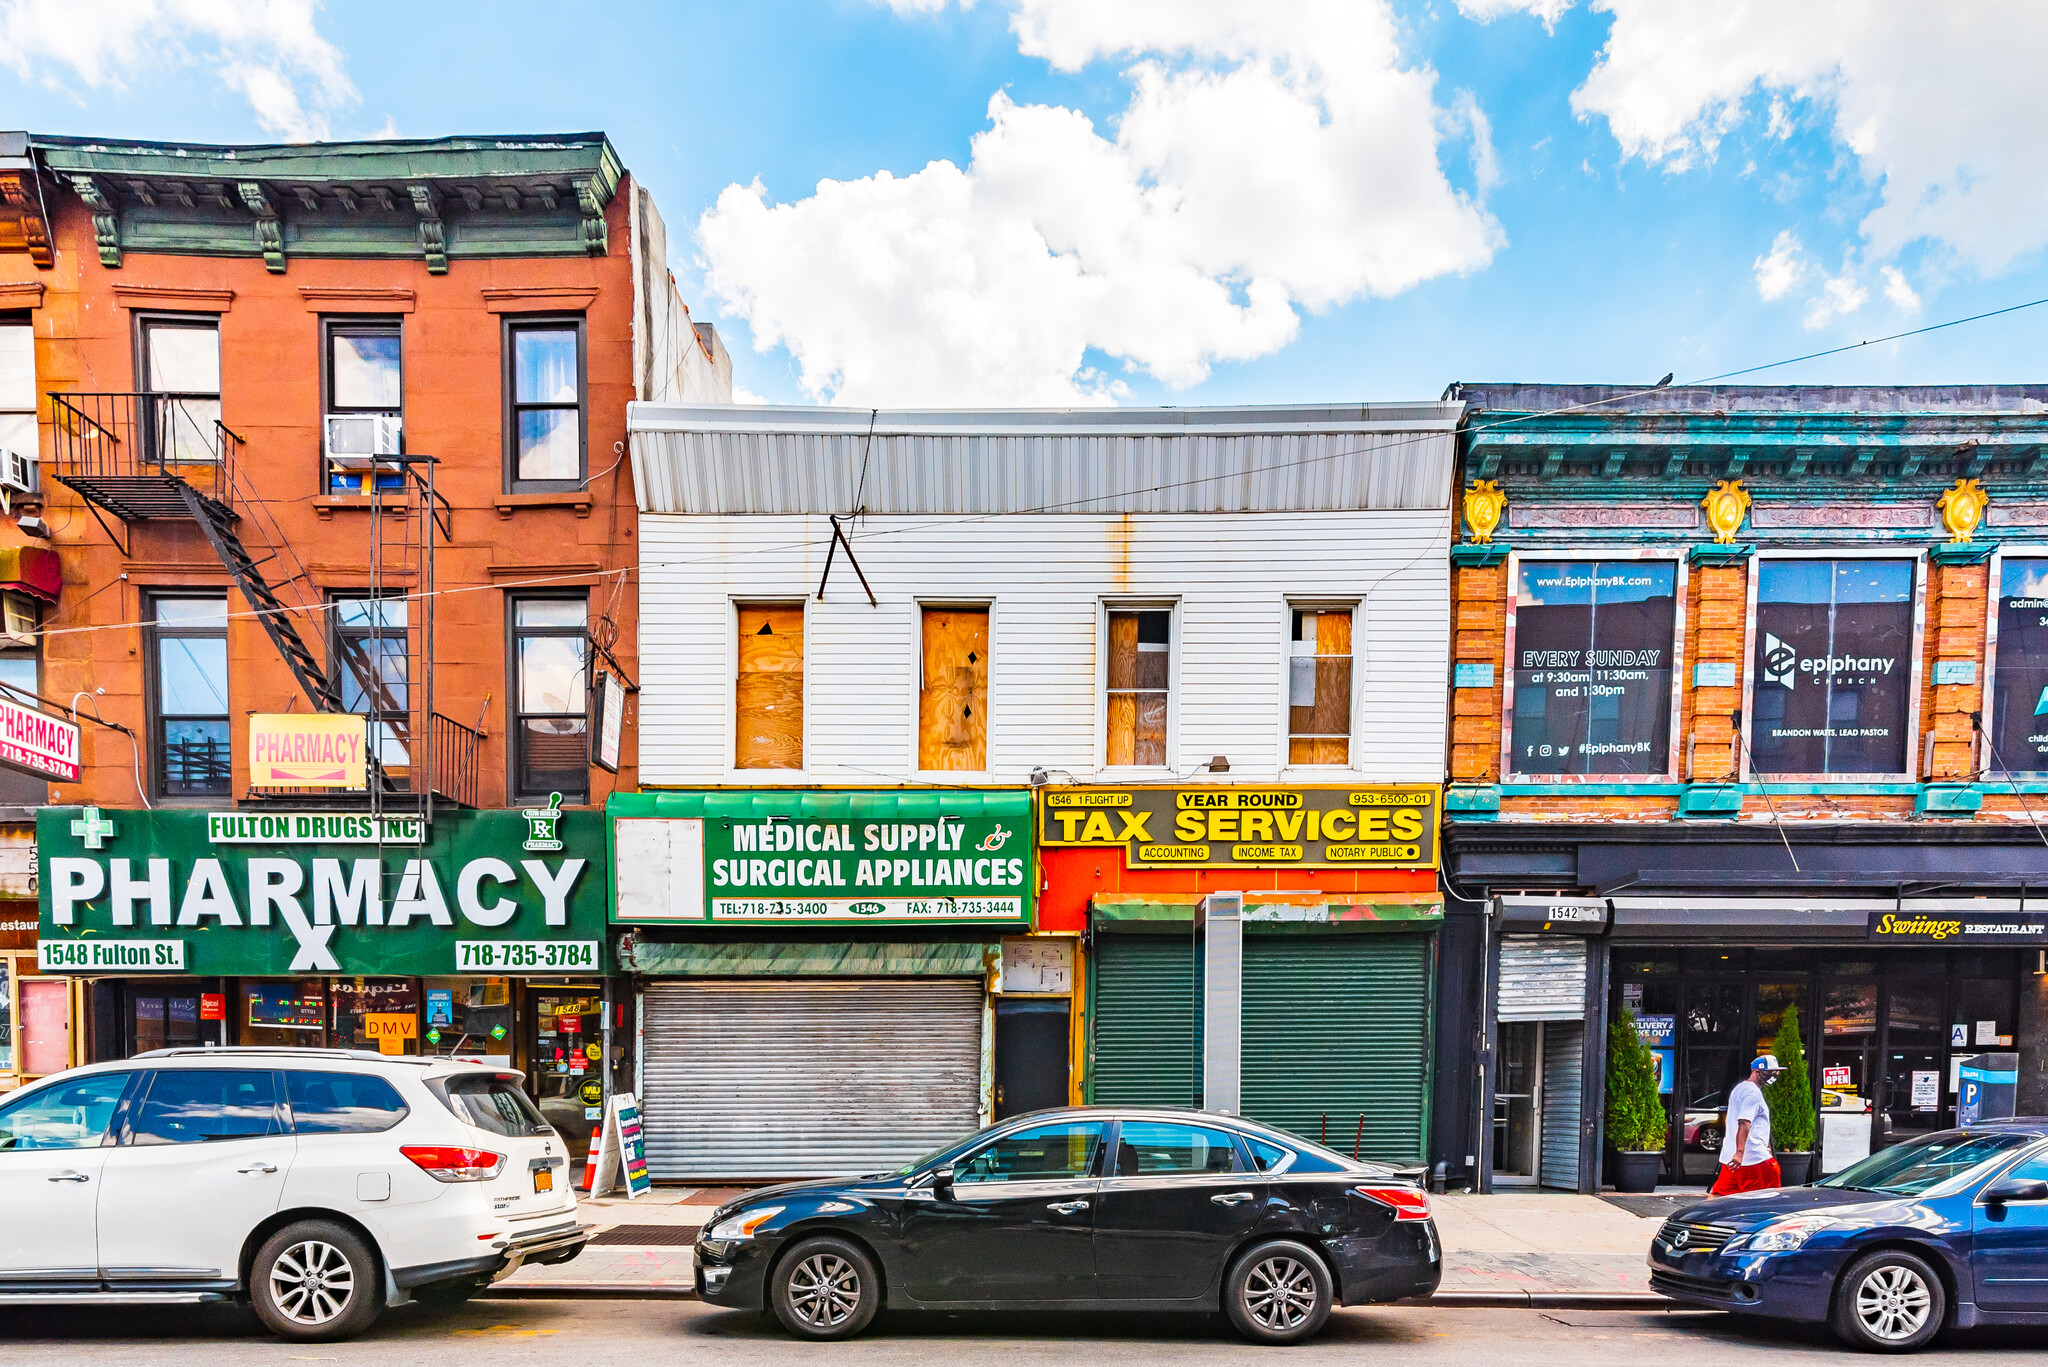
[1636, 1122]
[1790, 1096]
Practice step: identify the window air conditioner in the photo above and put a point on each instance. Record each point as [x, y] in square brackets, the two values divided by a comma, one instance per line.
[17, 472]
[354, 439]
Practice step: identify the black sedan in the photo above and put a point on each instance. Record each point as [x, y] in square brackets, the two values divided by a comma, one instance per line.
[1947, 1230]
[1085, 1208]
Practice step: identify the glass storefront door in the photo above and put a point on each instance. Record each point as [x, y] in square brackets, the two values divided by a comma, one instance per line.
[565, 1059]
[1515, 1103]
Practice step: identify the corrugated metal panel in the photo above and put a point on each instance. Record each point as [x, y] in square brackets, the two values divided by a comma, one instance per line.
[1046, 577]
[1564, 1045]
[699, 460]
[1337, 1026]
[1542, 978]
[800, 1079]
[1144, 1043]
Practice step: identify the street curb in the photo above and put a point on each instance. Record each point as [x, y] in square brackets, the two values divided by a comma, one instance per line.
[1452, 1300]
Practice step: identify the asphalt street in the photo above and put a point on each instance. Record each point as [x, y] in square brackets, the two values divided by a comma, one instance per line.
[597, 1333]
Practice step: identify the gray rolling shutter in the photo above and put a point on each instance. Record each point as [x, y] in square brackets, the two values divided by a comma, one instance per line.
[1336, 1027]
[810, 1077]
[1144, 1031]
[1563, 1055]
[1542, 978]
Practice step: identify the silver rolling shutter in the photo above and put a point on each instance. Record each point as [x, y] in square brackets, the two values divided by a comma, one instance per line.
[1542, 978]
[1563, 1056]
[807, 1077]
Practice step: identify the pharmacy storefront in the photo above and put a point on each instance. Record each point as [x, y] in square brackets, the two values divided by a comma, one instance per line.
[480, 935]
[822, 972]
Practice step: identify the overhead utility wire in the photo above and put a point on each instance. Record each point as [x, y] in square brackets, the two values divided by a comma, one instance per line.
[1394, 444]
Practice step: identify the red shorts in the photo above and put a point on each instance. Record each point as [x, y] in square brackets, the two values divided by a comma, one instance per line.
[1749, 1177]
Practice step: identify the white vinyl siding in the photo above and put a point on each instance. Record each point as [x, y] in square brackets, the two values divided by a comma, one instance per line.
[1231, 577]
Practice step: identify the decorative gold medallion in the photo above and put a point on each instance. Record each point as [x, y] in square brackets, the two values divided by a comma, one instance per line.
[1726, 506]
[1484, 503]
[1962, 508]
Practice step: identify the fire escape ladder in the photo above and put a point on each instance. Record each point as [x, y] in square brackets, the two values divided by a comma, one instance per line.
[218, 523]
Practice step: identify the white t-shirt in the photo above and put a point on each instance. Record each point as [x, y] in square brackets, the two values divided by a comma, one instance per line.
[1746, 1102]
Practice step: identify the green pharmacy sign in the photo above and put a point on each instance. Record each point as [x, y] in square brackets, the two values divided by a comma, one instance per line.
[238, 893]
[847, 857]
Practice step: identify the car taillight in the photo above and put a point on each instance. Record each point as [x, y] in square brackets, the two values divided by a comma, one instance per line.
[1408, 1203]
[445, 1163]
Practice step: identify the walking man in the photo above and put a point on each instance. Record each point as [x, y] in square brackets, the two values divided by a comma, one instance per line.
[1746, 1161]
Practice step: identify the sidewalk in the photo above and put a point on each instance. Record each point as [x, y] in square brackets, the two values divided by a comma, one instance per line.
[1497, 1249]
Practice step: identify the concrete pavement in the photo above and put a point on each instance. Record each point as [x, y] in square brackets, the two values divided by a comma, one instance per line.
[686, 1334]
[1498, 1249]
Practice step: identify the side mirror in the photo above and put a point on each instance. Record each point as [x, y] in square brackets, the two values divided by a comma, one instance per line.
[942, 1181]
[1999, 1193]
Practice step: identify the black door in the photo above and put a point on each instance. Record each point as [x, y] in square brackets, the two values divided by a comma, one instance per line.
[1016, 1223]
[1176, 1202]
[1031, 1054]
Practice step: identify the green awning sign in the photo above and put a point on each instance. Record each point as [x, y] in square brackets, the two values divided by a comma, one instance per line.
[205, 893]
[846, 857]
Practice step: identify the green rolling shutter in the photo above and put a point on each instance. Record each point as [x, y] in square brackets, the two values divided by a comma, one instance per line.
[1338, 1025]
[1144, 1021]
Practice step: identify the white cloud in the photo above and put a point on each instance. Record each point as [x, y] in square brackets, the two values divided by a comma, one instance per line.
[1903, 296]
[1926, 97]
[1840, 295]
[269, 51]
[1269, 159]
[742, 394]
[1778, 272]
[1486, 11]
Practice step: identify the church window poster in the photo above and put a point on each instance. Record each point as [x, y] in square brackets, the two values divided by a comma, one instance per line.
[1833, 668]
[1592, 666]
[2019, 736]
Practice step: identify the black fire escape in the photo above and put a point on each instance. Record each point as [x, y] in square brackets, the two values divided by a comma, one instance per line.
[143, 457]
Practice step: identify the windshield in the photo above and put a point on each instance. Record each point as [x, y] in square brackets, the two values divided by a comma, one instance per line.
[1914, 1169]
[938, 1156]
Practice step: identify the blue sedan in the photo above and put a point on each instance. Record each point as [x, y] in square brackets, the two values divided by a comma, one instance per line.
[1951, 1230]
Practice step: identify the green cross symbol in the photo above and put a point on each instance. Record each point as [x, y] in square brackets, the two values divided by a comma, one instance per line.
[92, 828]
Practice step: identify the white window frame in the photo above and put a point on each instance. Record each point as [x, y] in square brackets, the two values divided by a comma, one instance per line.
[761, 778]
[1172, 608]
[919, 606]
[1918, 556]
[1317, 603]
[1681, 604]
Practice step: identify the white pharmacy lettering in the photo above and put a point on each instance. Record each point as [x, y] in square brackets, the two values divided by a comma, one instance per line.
[343, 893]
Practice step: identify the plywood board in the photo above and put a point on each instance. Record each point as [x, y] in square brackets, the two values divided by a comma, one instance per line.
[952, 706]
[768, 691]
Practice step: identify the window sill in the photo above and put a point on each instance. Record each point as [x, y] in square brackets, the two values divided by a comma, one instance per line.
[327, 505]
[579, 499]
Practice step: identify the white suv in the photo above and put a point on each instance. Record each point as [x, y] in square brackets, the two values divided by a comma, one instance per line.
[321, 1185]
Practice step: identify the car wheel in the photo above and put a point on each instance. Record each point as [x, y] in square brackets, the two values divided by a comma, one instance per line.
[447, 1293]
[825, 1288]
[1889, 1302]
[1278, 1292]
[315, 1282]
[1709, 1137]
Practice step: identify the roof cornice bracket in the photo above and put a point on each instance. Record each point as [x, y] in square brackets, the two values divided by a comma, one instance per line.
[269, 227]
[106, 219]
[426, 202]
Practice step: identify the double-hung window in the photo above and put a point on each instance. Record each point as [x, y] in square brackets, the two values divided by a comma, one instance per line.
[1319, 687]
[1139, 686]
[550, 672]
[18, 388]
[180, 370]
[364, 381]
[188, 695]
[371, 672]
[545, 441]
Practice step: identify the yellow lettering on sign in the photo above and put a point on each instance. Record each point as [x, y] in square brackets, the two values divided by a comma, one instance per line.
[1266, 854]
[1290, 824]
[1339, 825]
[1189, 826]
[1068, 799]
[1134, 826]
[1097, 830]
[1258, 826]
[1067, 820]
[1407, 825]
[1173, 854]
[1223, 825]
[1372, 825]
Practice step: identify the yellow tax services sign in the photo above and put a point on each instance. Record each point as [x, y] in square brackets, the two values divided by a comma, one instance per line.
[1249, 827]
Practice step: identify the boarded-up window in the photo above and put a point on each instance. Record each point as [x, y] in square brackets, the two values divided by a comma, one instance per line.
[768, 695]
[1319, 687]
[952, 701]
[1140, 682]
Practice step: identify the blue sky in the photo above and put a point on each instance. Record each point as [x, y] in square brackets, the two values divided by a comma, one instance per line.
[1346, 201]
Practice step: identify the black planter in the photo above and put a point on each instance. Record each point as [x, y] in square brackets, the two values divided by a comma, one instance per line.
[1637, 1170]
[1795, 1169]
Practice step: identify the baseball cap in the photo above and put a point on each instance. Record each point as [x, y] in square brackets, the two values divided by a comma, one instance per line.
[1767, 1063]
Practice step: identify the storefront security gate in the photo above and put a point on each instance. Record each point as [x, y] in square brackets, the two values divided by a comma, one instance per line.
[810, 1077]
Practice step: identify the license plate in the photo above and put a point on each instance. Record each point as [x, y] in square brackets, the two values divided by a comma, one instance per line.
[543, 1179]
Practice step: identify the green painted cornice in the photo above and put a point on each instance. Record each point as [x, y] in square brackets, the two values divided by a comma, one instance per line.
[1478, 554]
[434, 200]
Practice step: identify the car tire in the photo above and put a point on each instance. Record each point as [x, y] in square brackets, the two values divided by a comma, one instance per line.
[448, 1293]
[1709, 1138]
[1278, 1292]
[1888, 1302]
[315, 1281]
[825, 1288]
